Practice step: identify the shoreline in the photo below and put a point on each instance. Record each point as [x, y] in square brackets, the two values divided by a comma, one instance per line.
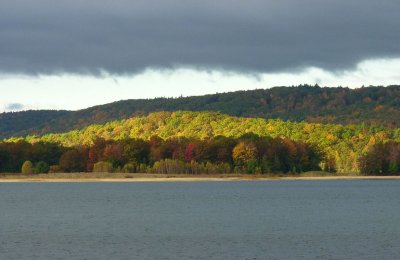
[189, 178]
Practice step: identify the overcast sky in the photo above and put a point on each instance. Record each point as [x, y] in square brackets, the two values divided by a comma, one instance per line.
[99, 51]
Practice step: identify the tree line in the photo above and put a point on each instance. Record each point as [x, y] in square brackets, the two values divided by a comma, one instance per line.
[343, 145]
[249, 153]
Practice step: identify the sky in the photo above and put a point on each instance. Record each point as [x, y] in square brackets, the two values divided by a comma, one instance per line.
[75, 54]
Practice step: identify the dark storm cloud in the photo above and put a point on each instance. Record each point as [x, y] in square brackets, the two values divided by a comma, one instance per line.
[120, 36]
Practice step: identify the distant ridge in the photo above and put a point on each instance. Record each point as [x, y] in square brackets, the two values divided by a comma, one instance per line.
[370, 105]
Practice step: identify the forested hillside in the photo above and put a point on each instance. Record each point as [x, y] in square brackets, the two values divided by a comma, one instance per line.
[19, 123]
[369, 105]
[342, 146]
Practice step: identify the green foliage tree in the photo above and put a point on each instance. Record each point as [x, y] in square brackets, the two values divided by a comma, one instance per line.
[41, 167]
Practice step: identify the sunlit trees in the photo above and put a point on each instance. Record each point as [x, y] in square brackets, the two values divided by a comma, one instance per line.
[171, 166]
[244, 155]
[103, 167]
[246, 145]
[208, 137]
[27, 167]
[130, 168]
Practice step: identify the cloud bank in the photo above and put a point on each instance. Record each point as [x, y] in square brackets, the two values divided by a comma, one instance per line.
[254, 36]
[73, 91]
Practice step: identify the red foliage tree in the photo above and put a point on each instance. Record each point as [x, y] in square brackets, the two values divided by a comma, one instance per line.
[189, 152]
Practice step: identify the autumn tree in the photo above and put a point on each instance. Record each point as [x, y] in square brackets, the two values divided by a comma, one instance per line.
[114, 154]
[103, 167]
[381, 159]
[72, 161]
[95, 153]
[27, 168]
[136, 151]
[190, 152]
[244, 153]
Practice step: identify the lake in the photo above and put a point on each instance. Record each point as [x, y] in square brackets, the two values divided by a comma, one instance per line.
[336, 219]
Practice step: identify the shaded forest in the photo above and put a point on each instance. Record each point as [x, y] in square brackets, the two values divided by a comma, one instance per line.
[369, 105]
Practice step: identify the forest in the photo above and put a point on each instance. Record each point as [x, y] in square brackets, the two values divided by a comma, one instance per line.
[378, 106]
[166, 139]
[248, 154]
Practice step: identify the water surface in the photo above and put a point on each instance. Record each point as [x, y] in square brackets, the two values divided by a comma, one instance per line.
[358, 219]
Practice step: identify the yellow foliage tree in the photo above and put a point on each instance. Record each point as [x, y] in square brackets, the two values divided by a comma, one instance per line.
[243, 153]
[27, 167]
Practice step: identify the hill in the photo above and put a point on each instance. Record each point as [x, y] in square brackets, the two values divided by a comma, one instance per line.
[369, 105]
[342, 146]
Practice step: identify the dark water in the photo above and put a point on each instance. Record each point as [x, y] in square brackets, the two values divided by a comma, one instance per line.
[203, 220]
